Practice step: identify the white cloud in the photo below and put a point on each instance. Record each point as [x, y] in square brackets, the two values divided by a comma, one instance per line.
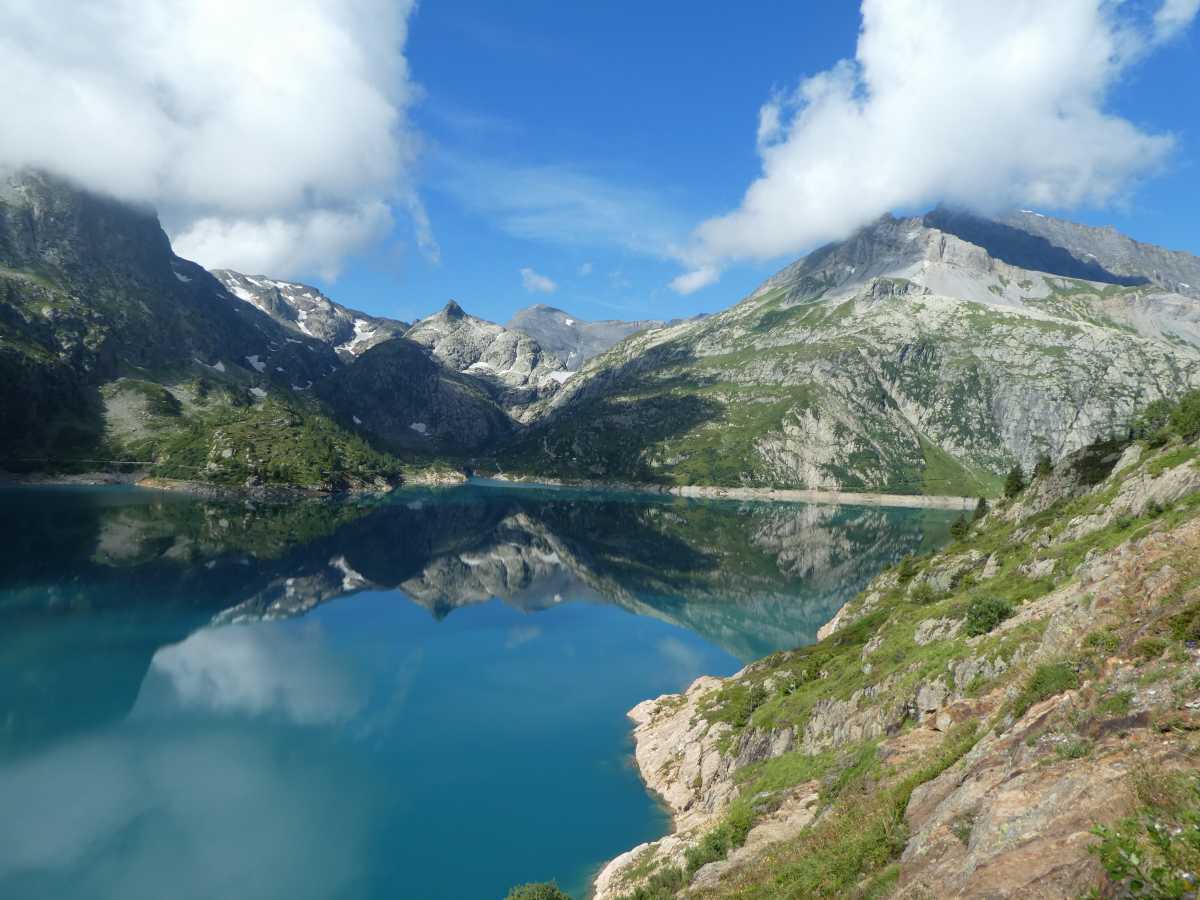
[536, 283]
[972, 102]
[277, 126]
[1174, 16]
[585, 269]
[257, 672]
[690, 282]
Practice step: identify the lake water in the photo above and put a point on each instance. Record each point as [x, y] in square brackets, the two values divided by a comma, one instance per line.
[421, 696]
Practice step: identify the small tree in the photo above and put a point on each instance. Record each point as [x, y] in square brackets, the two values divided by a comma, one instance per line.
[981, 509]
[1015, 482]
[1185, 419]
[1044, 466]
[960, 527]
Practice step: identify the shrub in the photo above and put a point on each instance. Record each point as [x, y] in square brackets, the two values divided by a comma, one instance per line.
[1155, 853]
[1046, 681]
[985, 613]
[907, 568]
[1043, 467]
[1103, 640]
[542, 890]
[922, 593]
[1154, 419]
[960, 528]
[1150, 648]
[981, 509]
[1185, 418]
[1015, 482]
[717, 843]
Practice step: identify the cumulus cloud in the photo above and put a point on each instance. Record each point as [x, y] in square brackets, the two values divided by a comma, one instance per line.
[271, 135]
[1174, 16]
[971, 102]
[690, 282]
[536, 283]
[288, 674]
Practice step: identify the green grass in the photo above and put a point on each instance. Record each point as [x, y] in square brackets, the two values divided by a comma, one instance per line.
[943, 474]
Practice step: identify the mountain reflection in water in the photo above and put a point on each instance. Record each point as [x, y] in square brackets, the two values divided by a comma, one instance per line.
[181, 698]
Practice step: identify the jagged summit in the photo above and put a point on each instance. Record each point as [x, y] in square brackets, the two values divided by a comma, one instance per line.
[307, 311]
[511, 364]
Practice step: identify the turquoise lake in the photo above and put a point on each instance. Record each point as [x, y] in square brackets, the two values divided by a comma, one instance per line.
[417, 696]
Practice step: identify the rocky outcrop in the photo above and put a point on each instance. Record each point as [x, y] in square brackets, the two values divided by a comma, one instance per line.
[1080, 702]
[510, 363]
[306, 311]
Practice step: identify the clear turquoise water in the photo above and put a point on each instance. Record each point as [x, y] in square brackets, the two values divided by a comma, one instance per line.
[421, 697]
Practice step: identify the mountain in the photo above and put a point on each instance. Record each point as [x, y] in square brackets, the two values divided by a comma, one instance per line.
[510, 364]
[114, 348]
[905, 358]
[402, 397]
[306, 311]
[921, 355]
[573, 340]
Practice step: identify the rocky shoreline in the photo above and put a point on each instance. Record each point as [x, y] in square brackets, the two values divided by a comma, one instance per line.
[1013, 813]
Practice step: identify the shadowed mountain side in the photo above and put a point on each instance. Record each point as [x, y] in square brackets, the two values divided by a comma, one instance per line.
[1024, 250]
[396, 393]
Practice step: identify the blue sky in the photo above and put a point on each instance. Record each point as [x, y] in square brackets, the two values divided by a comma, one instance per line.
[638, 121]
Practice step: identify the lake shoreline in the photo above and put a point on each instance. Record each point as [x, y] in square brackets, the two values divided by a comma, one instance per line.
[208, 490]
[778, 495]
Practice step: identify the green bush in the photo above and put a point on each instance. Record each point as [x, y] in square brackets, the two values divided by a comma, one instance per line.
[1103, 640]
[985, 613]
[1150, 648]
[960, 528]
[1185, 418]
[981, 509]
[922, 593]
[717, 843]
[1015, 482]
[1154, 419]
[542, 890]
[1046, 681]
[1155, 854]
[1043, 467]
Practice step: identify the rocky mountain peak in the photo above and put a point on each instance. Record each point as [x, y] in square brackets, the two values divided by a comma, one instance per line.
[305, 310]
[509, 363]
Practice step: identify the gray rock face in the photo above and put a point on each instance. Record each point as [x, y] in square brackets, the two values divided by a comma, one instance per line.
[306, 310]
[903, 359]
[89, 290]
[514, 367]
[570, 338]
[1171, 270]
[396, 393]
